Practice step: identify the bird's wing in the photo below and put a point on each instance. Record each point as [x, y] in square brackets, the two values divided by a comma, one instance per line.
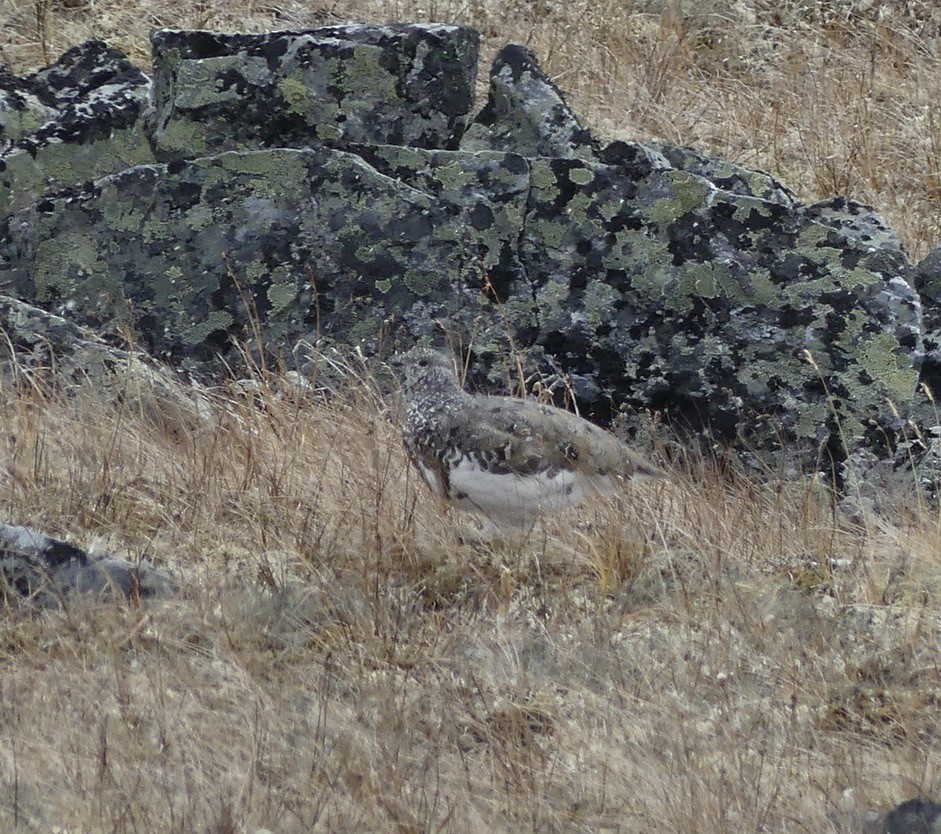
[531, 437]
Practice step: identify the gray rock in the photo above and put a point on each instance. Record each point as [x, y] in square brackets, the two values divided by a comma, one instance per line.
[927, 280]
[916, 816]
[901, 474]
[676, 295]
[858, 221]
[79, 119]
[875, 485]
[526, 113]
[663, 278]
[396, 84]
[723, 175]
[83, 71]
[44, 571]
[56, 353]
[299, 241]
[652, 277]
[22, 111]
[927, 274]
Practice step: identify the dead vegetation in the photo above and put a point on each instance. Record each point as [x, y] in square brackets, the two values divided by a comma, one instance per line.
[702, 656]
[710, 656]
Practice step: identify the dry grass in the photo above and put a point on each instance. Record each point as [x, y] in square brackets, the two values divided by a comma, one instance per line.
[833, 97]
[692, 660]
[688, 660]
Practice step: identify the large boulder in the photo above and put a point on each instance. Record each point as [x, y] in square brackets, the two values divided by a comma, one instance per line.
[744, 317]
[651, 276]
[658, 277]
[396, 84]
[79, 119]
[200, 255]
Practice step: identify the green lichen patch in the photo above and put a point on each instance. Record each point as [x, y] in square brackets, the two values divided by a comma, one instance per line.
[351, 84]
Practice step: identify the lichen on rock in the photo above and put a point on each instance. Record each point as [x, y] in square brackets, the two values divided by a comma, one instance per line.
[395, 84]
[312, 187]
[79, 119]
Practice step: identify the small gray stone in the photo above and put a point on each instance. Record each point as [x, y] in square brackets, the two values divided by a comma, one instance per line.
[916, 816]
[42, 570]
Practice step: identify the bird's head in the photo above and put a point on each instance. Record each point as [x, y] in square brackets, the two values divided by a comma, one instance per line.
[424, 369]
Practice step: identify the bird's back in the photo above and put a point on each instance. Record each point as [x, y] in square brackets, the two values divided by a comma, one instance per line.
[513, 460]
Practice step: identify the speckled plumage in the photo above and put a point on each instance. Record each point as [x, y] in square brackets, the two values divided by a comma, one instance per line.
[509, 459]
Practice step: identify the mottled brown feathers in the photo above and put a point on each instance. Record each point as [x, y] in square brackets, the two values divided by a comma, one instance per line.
[510, 459]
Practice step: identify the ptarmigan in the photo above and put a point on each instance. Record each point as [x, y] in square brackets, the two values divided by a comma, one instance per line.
[511, 460]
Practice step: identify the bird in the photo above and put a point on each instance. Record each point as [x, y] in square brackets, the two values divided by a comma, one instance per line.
[508, 459]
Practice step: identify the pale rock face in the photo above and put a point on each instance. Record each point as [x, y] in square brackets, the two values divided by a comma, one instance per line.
[510, 460]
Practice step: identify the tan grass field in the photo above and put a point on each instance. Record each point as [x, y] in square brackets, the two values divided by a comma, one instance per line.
[710, 655]
[689, 659]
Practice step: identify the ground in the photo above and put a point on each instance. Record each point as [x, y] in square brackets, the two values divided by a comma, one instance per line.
[708, 655]
[702, 655]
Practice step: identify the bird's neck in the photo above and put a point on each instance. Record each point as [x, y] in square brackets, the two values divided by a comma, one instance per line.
[435, 401]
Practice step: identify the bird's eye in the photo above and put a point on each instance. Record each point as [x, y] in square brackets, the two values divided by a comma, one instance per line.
[422, 363]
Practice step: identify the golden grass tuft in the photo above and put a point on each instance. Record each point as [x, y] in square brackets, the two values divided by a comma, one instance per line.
[702, 656]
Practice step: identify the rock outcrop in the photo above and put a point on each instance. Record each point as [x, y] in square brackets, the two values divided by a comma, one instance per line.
[50, 351]
[79, 119]
[927, 280]
[527, 114]
[387, 85]
[332, 184]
